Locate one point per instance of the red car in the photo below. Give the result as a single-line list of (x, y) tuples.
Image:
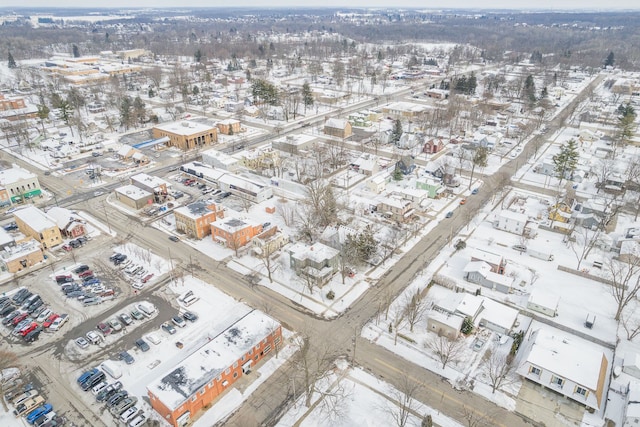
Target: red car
[(19, 318), (28, 329), (67, 248), (50, 320), (86, 273), (104, 328), (147, 278)]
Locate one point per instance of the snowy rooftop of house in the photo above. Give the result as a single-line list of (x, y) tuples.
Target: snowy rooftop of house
[(62, 216), (317, 252), (5, 238), (298, 139), (149, 180), (498, 314), (124, 150), (485, 270), (132, 192), (413, 192), (516, 216), (210, 360), (469, 304), (237, 181), (452, 320), (336, 123), (228, 121), (566, 357), (379, 179), (20, 250), (544, 299), (184, 127), (395, 202), (491, 258), (35, 218), (221, 157), (13, 174), (366, 161), (195, 210)]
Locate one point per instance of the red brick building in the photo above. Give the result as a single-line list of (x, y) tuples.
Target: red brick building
[(204, 375)]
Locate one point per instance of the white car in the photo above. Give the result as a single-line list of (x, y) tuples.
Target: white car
[(128, 414), (82, 342), (93, 337), (43, 316), (59, 322), (98, 388), (138, 421)]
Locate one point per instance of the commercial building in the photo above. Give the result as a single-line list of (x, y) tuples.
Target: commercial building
[(234, 232), (19, 183), (195, 219), (133, 197), (32, 222), (21, 256), (153, 184), (186, 135), (211, 370)]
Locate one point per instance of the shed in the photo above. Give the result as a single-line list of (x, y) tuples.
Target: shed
[(543, 302)]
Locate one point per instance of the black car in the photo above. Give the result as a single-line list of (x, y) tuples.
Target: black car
[(117, 398), (21, 296), (36, 305), (128, 359), (81, 269), (7, 310), (93, 380), (191, 317), (9, 317), (142, 345), (82, 240), (33, 335), (63, 279)]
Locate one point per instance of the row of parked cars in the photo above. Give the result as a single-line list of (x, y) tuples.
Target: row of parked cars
[(113, 325), (120, 404), (27, 315), (134, 272), (28, 403), (86, 287), (75, 243)]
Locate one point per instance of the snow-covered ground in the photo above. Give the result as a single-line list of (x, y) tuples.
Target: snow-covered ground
[(164, 354), (358, 398)]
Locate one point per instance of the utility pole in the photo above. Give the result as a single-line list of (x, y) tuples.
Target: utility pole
[(105, 215)]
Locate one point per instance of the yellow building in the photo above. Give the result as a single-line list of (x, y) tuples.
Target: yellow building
[(186, 135), (560, 213), (33, 222)]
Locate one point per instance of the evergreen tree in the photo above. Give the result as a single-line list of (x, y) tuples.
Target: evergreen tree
[(126, 113), (566, 161), (43, 114), (139, 110), (76, 51), (610, 60), (198, 55), (529, 91), (11, 61), (396, 133), (467, 326), (307, 96)]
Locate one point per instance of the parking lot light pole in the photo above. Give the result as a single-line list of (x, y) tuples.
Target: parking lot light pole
[(106, 216)]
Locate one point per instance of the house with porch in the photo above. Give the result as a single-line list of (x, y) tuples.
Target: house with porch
[(317, 262)]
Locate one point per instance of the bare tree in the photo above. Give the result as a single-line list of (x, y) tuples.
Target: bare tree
[(267, 261), (631, 326), (415, 306), (446, 350), (584, 240), (624, 281), (499, 369), (473, 418), (313, 363), (403, 400)]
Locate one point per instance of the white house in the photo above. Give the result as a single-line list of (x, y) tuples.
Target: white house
[(566, 365), (480, 272), (513, 222), (543, 302), (377, 184)]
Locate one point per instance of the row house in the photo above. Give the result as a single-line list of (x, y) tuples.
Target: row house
[(195, 219), (234, 233), (396, 209)]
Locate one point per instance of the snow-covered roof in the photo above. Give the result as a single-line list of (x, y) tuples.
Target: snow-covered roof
[(124, 150), (516, 216), (211, 360), (299, 139), (205, 171), (5, 238), (488, 257), (451, 320), (544, 299), (469, 304), (149, 180), (185, 128), (62, 216), (20, 250), (35, 218), (231, 224), (195, 210), (222, 158), (239, 182), (316, 252), (566, 357), (485, 270), (132, 192), (498, 314), (13, 174), (336, 123)]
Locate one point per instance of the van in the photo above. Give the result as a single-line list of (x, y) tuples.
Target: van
[(21, 398), (111, 368), (93, 381), (28, 405), (187, 301), (147, 309)]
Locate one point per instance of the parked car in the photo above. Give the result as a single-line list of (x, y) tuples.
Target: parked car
[(85, 273), (7, 310), (168, 327), (8, 319), (129, 414), (67, 248), (82, 342), (44, 315), (33, 335), (178, 321), (142, 345), (81, 269), (93, 381), (115, 325), (63, 279), (449, 214), (59, 322), (104, 329), (19, 318), (174, 238), (147, 278), (109, 391), (28, 329), (126, 357), (138, 421), (38, 412), (137, 315), (86, 375), (47, 323), (117, 398), (125, 319), (124, 405), (93, 337)]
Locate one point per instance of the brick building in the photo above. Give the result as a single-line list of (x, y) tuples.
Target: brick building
[(211, 370), (186, 135), (229, 126), (234, 233), (34, 223), (195, 219)]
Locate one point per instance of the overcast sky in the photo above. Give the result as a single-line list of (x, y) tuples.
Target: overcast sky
[(487, 4)]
